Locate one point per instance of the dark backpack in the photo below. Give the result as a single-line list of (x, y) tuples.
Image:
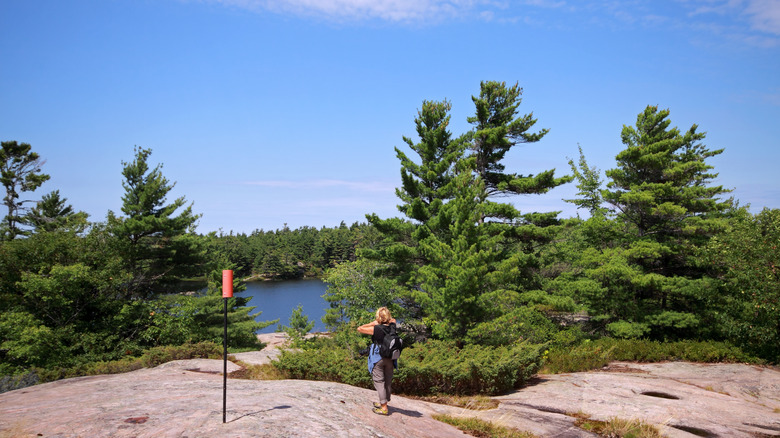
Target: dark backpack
[(392, 344)]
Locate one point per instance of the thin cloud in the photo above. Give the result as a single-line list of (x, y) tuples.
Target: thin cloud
[(749, 22), (388, 10), (764, 15), (357, 186), (395, 11), (761, 15)]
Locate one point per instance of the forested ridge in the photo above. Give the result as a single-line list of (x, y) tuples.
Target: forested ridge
[(664, 256)]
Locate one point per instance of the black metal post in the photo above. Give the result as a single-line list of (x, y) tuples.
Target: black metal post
[(224, 367)]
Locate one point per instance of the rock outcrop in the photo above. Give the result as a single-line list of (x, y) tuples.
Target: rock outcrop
[(184, 399)]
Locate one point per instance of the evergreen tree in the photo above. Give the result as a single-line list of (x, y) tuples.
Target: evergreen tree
[(589, 184), (660, 184), (158, 245), (452, 283), (497, 129), (52, 213), (426, 186), (20, 171), (661, 195), (456, 265)]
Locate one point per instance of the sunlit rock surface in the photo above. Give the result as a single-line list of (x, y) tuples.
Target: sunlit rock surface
[(184, 399)]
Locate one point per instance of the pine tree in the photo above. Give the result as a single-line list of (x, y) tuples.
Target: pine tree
[(660, 193), (159, 246), (52, 213), (497, 128), (426, 186), (451, 284), (20, 171), (589, 184), (455, 264)]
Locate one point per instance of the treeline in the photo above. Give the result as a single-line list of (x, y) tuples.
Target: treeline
[(289, 254)]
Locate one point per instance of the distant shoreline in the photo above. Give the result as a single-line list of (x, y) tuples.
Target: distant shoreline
[(269, 278)]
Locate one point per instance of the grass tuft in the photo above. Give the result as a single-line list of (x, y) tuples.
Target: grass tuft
[(474, 403), (616, 427), (481, 428), (256, 372)]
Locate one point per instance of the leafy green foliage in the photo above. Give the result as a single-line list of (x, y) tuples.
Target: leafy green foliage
[(355, 292), (747, 259), (69, 299), (26, 341)]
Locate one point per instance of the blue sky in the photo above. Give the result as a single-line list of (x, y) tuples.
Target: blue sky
[(287, 111)]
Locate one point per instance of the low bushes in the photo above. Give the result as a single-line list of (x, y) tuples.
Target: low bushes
[(426, 368), (150, 358), (589, 355), (441, 367)]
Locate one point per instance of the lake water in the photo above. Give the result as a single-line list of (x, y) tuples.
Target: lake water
[(277, 299)]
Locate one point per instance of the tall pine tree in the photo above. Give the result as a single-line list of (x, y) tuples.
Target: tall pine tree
[(156, 240)]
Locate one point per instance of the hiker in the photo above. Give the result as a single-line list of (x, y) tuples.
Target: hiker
[(380, 368)]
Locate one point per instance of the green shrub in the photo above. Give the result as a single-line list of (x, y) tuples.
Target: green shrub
[(429, 368), (568, 337), (583, 357), (441, 367), (628, 330), (201, 350), (642, 350), (150, 358), (329, 363), (590, 355), (521, 324)]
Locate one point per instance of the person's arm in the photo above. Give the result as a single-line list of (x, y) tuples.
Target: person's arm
[(367, 329)]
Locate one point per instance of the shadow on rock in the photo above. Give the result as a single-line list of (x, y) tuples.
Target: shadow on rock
[(406, 412), (249, 414)]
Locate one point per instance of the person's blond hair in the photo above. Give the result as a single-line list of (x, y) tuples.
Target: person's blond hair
[(383, 315)]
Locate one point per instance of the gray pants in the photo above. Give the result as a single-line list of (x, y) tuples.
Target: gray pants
[(383, 379)]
